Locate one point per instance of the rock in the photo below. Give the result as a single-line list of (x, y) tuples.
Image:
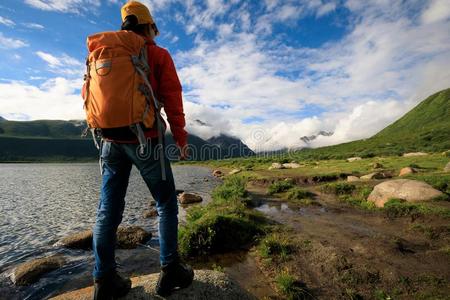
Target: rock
[(217, 173), (128, 237), (207, 285), (276, 166), (353, 178), (371, 176), (151, 213), (291, 165), (351, 159), (409, 190), (447, 168), (188, 198), (30, 271), (377, 165), (152, 202), (412, 154), (406, 171), (234, 171), (80, 240), (205, 179)]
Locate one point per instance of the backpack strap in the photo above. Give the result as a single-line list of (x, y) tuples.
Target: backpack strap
[(141, 64)]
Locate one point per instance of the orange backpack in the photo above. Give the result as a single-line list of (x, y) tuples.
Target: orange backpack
[(117, 91)]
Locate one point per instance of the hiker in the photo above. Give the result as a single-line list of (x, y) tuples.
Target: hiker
[(121, 146)]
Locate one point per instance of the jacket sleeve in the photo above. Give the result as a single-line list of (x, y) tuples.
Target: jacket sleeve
[(169, 91)]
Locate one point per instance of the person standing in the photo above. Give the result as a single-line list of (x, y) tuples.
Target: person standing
[(120, 151)]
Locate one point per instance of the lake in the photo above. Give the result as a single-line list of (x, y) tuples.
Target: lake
[(40, 203)]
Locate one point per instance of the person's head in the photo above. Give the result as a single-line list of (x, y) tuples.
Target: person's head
[(137, 18)]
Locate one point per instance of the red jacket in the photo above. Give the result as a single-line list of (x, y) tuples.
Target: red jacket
[(167, 88)]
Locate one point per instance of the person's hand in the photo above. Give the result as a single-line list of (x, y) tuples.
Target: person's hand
[(184, 152)]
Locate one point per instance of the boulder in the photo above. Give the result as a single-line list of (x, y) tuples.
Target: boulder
[(276, 166), (376, 175), (351, 159), (371, 176), (207, 285), (406, 171), (353, 178), (217, 173), (412, 154), (128, 237), (188, 198), (31, 271), (408, 190), (79, 240), (291, 165), (447, 168), (234, 171), (151, 213)]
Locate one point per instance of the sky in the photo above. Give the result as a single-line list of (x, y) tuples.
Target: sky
[(268, 72)]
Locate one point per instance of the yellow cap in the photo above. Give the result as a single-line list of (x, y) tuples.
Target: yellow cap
[(139, 10)]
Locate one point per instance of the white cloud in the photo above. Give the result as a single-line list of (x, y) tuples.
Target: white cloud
[(248, 83), (7, 22), (63, 64), (387, 63), (57, 98), (438, 10), (65, 6), (11, 43), (33, 26)]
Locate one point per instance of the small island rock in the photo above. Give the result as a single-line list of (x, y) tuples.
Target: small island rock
[(188, 198), (30, 271)]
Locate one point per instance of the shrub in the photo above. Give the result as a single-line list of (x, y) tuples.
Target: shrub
[(292, 288), (339, 188), (279, 187), (298, 194), (275, 245)]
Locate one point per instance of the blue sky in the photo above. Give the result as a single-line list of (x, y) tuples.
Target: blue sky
[(274, 69)]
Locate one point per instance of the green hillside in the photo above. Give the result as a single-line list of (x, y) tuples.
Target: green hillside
[(425, 128), (42, 128)]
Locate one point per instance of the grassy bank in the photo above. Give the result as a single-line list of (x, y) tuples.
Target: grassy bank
[(225, 224)]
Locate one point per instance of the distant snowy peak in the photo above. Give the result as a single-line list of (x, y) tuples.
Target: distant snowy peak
[(308, 139)]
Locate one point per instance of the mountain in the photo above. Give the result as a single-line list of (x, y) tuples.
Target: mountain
[(425, 128), (308, 139), (231, 146), (49, 140)]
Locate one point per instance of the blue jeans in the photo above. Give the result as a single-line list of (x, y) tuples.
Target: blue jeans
[(116, 162)]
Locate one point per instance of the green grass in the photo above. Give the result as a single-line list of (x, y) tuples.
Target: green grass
[(400, 208), (338, 188), (223, 225), (291, 287), (275, 245), (279, 187)]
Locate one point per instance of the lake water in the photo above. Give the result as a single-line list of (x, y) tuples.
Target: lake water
[(40, 203)]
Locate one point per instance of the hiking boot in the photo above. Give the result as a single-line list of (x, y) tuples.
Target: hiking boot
[(172, 276), (111, 287)]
